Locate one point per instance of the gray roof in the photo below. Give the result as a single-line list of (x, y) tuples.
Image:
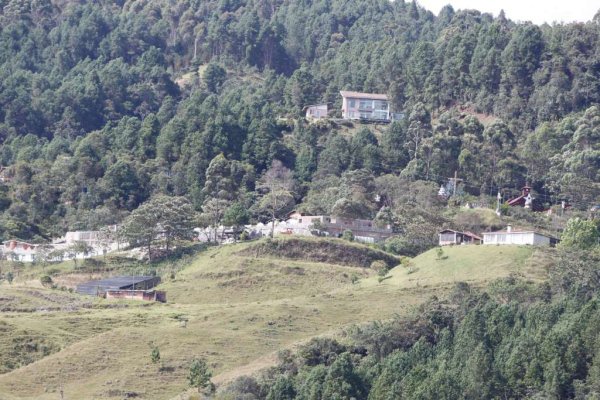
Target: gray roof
[(117, 282)]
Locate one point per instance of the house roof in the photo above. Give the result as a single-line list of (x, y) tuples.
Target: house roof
[(471, 234), (315, 105), (466, 233), (18, 241), (359, 95), (504, 232), (116, 282)]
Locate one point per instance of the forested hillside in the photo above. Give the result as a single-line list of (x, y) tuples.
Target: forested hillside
[(104, 104), (515, 340)]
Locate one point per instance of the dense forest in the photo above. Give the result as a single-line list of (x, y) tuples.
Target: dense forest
[(106, 104), (517, 339)]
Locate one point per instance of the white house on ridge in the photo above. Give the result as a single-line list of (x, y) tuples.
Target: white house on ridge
[(510, 236)]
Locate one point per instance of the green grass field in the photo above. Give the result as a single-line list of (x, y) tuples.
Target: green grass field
[(240, 310)]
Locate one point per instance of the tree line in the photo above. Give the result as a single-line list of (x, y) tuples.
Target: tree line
[(104, 105)]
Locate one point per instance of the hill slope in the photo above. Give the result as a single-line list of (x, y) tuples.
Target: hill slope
[(239, 310)]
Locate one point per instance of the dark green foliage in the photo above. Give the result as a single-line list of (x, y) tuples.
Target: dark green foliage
[(93, 123), (214, 76), (155, 355), (46, 281), (199, 375), (162, 219)]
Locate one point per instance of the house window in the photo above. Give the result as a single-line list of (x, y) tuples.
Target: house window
[(381, 105), (380, 114), (300, 220), (447, 237), (366, 105), (351, 103), (365, 115)]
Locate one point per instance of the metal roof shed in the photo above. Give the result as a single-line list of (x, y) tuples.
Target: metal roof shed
[(94, 288)]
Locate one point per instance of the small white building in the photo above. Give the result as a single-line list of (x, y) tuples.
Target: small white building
[(17, 250), (510, 236), (316, 111), (450, 237)]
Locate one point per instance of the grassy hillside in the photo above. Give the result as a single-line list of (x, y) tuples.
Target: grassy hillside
[(240, 309), (472, 264)]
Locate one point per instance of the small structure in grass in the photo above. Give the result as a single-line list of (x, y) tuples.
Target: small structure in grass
[(449, 237), (124, 287), (511, 236)]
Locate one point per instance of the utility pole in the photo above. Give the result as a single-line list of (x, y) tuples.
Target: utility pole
[(454, 182), (499, 198)]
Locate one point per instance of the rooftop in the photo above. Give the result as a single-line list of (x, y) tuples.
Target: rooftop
[(512, 231), (359, 95), (466, 233), (18, 241), (117, 282)]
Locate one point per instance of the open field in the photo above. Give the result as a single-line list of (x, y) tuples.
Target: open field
[(240, 309)]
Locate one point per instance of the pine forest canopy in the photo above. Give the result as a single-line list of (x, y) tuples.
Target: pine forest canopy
[(101, 107)]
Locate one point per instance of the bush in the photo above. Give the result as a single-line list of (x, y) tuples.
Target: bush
[(320, 351), (244, 236), (380, 267), (348, 235), (199, 375), (46, 281), (580, 234), (155, 355)]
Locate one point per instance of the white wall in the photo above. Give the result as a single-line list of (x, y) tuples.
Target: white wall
[(519, 238)]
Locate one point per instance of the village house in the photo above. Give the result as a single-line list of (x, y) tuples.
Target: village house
[(296, 223), (17, 250), (449, 237), (366, 106), (97, 240), (511, 236), (526, 200), (316, 111)]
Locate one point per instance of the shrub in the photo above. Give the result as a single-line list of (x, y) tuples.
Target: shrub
[(348, 235), (46, 281), (244, 236), (380, 267), (580, 234), (155, 355), (199, 375)]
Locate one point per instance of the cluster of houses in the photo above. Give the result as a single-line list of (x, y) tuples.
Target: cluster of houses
[(296, 223), (509, 236), (60, 249), (357, 106), (301, 224)]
